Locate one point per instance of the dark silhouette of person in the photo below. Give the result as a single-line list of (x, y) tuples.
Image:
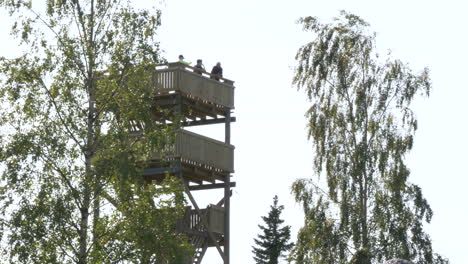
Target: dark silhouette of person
[(199, 67), (217, 72)]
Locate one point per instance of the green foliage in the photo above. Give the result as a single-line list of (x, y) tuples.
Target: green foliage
[(273, 243), (361, 126), (71, 189)]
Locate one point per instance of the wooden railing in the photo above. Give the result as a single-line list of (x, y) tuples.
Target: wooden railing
[(201, 151), (180, 77), (192, 221), (205, 151)]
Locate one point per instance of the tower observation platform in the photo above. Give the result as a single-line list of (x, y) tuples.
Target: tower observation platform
[(185, 97)]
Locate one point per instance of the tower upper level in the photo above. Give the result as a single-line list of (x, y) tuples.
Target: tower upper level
[(196, 95), (184, 95)]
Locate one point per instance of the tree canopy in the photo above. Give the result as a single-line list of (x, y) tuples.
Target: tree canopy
[(360, 206), (71, 188)]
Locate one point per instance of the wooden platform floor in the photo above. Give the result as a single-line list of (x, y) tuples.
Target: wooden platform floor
[(191, 172)]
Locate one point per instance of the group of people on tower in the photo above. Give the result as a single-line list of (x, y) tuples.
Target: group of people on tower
[(216, 72)]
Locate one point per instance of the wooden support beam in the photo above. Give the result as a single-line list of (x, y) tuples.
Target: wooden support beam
[(190, 104), (204, 220), (154, 171), (227, 215), (221, 202), (210, 186), (227, 194), (165, 101), (202, 253), (207, 122)]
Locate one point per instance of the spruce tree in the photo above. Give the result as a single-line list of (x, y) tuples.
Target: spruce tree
[(274, 240)]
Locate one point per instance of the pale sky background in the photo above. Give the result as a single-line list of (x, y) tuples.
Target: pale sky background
[(256, 42)]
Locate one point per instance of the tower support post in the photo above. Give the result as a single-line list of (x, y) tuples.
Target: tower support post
[(227, 195)]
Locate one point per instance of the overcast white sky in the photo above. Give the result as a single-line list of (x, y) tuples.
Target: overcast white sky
[(256, 42)]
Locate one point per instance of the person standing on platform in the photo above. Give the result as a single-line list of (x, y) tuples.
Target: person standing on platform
[(217, 71), (181, 60), (200, 68)]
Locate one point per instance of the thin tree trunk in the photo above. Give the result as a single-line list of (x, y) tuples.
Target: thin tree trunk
[(82, 254), (96, 214), (89, 151)]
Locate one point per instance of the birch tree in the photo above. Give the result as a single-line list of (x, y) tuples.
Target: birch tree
[(72, 189), (361, 125)]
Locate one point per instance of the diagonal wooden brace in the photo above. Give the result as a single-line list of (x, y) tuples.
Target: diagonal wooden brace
[(221, 202), (203, 219)]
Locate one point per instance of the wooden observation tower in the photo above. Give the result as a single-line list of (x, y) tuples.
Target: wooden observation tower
[(202, 163)]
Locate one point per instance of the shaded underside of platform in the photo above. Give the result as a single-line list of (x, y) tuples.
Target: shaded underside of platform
[(192, 109), (157, 171)]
